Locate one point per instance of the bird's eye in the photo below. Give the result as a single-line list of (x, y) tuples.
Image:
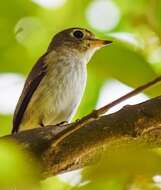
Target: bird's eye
[(78, 34)]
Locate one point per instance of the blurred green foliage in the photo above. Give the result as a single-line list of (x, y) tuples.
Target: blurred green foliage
[(26, 29), (17, 168), (127, 167)]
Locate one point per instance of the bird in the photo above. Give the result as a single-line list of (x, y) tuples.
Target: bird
[(54, 87)]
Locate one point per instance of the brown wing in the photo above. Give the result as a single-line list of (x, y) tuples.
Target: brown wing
[(36, 75)]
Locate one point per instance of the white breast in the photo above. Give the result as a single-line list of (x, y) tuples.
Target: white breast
[(66, 83)]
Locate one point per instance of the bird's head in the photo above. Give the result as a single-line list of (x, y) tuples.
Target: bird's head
[(78, 39)]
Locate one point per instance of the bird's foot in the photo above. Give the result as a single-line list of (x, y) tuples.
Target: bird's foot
[(42, 125), (62, 123)]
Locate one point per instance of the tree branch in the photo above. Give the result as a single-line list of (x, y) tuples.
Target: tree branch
[(140, 123)]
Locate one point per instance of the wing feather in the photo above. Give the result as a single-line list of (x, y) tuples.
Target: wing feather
[(35, 77)]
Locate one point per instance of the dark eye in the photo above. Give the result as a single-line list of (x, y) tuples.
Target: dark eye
[(78, 34)]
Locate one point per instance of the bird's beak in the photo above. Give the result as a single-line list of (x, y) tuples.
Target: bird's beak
[(98, 43)]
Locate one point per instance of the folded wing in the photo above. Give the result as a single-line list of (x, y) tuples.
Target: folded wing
[(35, 77)]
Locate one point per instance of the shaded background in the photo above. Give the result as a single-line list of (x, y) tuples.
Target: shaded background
[(26, 28)]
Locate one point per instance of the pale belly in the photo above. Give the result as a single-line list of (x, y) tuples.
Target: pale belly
[(57, 97)]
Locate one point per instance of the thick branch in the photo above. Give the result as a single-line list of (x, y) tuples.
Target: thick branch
[(140, 123)]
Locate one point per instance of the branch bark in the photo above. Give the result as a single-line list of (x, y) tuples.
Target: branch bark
[(139, 123)]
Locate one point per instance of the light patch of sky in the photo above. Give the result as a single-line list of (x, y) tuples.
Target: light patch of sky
[(114, 89), (157, 180), (50, 3), (11, 85), (103, 15), (73, 178)]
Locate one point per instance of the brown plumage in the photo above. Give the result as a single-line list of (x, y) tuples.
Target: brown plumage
[(56, 83)]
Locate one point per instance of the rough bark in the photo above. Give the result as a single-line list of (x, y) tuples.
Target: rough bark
[(139, 123)]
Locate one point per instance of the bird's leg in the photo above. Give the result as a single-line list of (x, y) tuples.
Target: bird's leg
[(41, 124)]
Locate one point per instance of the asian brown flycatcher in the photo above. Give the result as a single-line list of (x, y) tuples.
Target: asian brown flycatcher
[(55, 85)]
